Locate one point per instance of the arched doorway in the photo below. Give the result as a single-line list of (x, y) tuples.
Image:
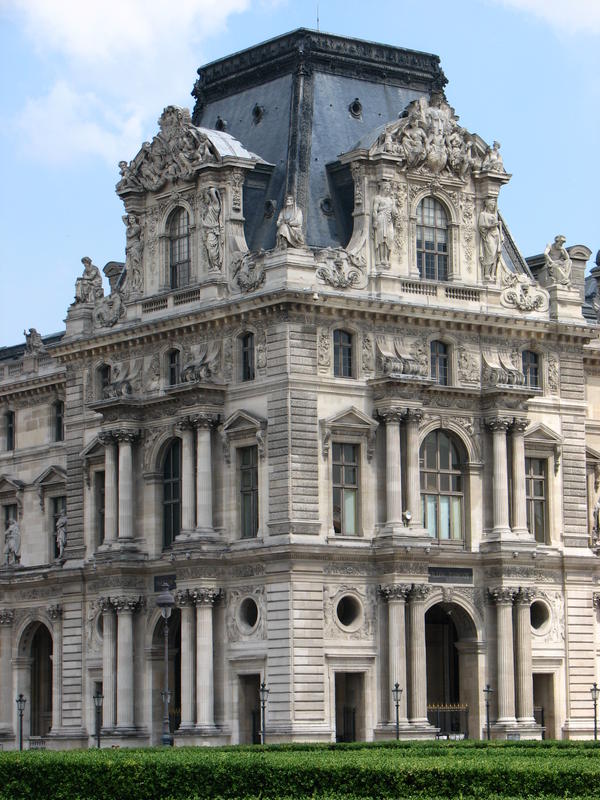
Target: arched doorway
[(452, 656), (35, 679), (158, 674)]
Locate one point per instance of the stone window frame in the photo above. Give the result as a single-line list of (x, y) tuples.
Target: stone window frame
[(167, 366), (58, 420), (9, 430), (165, 246), (463, 493), (353, 352), (240, 355), (454, 271), (540, 367), (93, 459), (544, 443), (11, 494), (52, 483), (99, 380), (162, 462)]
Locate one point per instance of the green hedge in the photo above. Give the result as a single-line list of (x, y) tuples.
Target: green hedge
[(412, 771)]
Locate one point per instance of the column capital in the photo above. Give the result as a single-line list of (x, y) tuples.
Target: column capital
[(7, 616), (498, 423), (202, 420), (391, 415), (413, 416), (394, 591), (105, 604), (55, 611), (519, 425), (126, 435), (524, 595), (418, 592), (207, 597), (107, 437), (128, 605), (183, 597), (502, 595), (184, 424), (595, 600)]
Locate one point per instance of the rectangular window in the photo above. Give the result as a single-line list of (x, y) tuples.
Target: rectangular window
[(10, 513), (59, 421), (247, 342), (9, 425), (99, 483), (345, 488), (248, 461), (535, 492)]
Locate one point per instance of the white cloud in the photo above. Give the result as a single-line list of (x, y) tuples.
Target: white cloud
[(114, 64), (574, 16)]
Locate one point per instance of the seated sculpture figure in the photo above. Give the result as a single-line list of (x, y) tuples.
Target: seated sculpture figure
[(289, 225), (88, 288), (558, 262)]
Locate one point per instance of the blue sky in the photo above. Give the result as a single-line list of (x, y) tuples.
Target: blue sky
[(83, 83)]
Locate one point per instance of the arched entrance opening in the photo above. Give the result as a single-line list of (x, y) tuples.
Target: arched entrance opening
[(158, 674), (452, 656), (35, 679)]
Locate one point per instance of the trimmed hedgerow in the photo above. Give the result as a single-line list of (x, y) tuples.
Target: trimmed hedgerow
[(412, 771)]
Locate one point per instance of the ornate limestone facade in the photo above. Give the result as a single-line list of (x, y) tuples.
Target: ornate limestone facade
[(329, 403)]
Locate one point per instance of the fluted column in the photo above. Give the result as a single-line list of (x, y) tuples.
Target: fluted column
[(109, 657), (518, 474), (503, 597), (55, 614), (188, 522), (205, 713), (413, 479), (395, 595), (110, 486), (126, 608), (417, 674), (7, 617), (393, 468), (186, 603), (499, 426), (204, 468), (524, 672), (126, 510)]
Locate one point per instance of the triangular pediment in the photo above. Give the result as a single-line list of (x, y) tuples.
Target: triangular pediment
[(542, 434), (50, 476), (10, 485), (592, 456), (241, 421), (94, 448), (350, 419)]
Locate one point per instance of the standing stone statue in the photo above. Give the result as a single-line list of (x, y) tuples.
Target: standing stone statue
[(88, 288), (12, 543), (558, 262), (211, 228), (383, 217), (289, 225), (61, 534), (133, 249), (490, 232)]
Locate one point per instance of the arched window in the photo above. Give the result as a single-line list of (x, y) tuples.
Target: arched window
[(531, 369), (172, 493), (439, 362), (441, 487), (173, 367), (342, 354), (432, 240), (247, 356), (179, 248)]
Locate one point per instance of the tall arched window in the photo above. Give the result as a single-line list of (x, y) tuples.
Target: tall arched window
[(342, 354), (531, 368), (179, 248), (439, 362), (172, 493), (432, 240), (441, 487)]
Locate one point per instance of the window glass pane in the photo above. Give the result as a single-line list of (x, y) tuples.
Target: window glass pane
[(444, 517), (456, 518), (350, 453), (431, 480), (337, 474), (337, 452), (444, 483), (349, 512), (444, 449), (431, 506), (350, 476), (431, 452), (539, 521), (337, 510)]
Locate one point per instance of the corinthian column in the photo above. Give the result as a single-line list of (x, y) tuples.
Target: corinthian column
[(393, 468), (109, 655), (126, 440), (187, 475), (205, 701), (110, 486), (524, 675), (126, 608), (518, 473), (503, 597), (499, 426), (417, 674), (204, 510), (413, 485), (7, 616), (186, 603), (55, 614), (395, 596)]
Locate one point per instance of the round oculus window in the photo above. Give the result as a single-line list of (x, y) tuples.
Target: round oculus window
[(349, 612)]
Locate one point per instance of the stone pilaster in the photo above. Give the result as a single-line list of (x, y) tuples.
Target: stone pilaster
[(110, 486), (109, 661), (524, 677), (417, 674), (125, 608), (7, 617), (396, 595), (205, 701), (499, 426), (413, 477), (55, 613), (188, 634), (519, 508), (393, 468), (503, 598)]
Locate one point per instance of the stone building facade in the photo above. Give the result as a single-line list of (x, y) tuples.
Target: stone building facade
[(333, 407)]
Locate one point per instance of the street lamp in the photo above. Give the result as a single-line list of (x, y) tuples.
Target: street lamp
[(165, 601), (487, 692), (397, 694), (264, 694), (21, 708), (98, 698), (595, 691)]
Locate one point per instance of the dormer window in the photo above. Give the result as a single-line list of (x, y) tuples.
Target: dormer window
[(247, 356), (432, 240), (531, 369), (179, 248)]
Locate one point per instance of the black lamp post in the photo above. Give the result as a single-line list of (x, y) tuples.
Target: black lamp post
[(264, 694), (397, 694), (165, 601), (595, 692), (98, 698), (487, 692), (21, 708)]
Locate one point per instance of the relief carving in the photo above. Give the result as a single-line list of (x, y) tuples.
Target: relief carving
[(365, 625), (339, 269), (247, 273), (237, 630)]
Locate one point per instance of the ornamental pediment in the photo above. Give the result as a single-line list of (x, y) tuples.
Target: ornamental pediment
[(542, 434), (353, 423), (241, 422)]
